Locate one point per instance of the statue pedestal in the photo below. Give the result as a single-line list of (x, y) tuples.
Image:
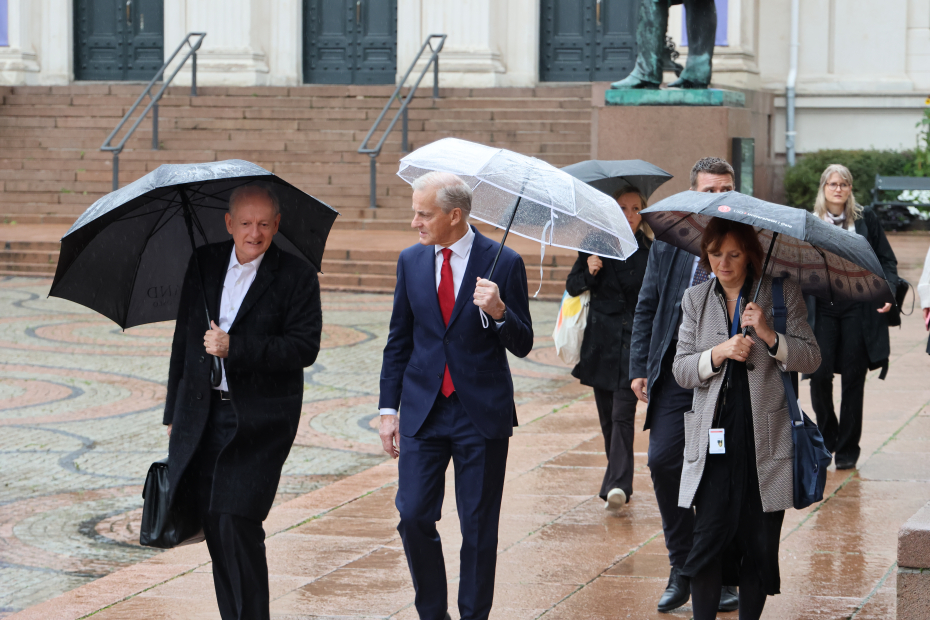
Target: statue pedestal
[(676, 96), (674, 136)]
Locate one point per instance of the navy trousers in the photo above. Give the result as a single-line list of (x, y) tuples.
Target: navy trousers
[(666, 458), (479, 466)]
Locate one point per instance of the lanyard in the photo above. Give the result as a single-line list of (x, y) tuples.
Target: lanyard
[(734, 327)]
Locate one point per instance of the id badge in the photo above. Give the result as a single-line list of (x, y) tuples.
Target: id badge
[(717, 445)]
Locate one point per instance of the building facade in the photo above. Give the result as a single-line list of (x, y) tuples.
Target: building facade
[(864, 71)]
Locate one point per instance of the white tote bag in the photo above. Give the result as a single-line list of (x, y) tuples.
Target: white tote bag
[(569, 328)]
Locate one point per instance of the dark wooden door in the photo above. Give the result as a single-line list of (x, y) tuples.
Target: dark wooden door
[(118, 39), (350, 41), (587, 40)]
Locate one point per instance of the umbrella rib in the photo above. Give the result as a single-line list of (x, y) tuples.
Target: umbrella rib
[(135, 274)]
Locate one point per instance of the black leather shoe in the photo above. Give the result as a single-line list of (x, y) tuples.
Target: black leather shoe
[(845, 465), (729, 599), (676, 593)]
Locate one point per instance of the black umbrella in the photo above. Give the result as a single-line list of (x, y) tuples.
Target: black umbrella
[(125, 257), (610, 175), (827, 261)]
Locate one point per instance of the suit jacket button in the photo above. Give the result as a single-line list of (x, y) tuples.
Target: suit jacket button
[(201, 358), (446, 341), (199, 396), (439, 376)]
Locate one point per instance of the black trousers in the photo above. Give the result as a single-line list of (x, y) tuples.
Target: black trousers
[(842, 347), (236, 544), (669, 402), (617, 412), (480, 465)]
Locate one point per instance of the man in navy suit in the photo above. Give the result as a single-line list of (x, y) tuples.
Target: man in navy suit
[(445, 368)]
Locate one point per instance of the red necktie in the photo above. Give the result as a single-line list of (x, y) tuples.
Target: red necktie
[(446, 303)]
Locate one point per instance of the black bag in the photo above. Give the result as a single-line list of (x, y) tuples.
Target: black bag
[(894, 315), (811, 457), (162, 527)]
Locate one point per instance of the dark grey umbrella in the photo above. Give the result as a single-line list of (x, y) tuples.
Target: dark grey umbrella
[(827, 261), (610, 175)]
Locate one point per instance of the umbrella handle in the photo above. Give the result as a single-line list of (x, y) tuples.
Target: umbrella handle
[(504, 239), (216, 369), (749, 365)]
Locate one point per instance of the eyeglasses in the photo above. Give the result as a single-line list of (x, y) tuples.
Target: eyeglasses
[(836, 186)]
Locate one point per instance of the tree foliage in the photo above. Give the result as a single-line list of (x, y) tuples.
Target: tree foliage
[(803, 180)]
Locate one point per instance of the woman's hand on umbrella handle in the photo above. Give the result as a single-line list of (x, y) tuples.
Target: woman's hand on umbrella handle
[(736, 348), (754, 317), (885, 308), (594, 264)]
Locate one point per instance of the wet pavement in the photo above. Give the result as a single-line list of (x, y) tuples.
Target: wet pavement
[(333, 550)]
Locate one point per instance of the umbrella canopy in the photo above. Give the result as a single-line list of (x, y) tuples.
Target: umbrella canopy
[(125, 257), (552, 206), (609, 176), (827, 261)]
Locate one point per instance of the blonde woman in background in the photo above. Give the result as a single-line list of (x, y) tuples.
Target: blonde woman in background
[(853, 336), (605, 349)]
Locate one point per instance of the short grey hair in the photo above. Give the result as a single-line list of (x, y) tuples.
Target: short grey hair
[(262, 189), (451, 191)]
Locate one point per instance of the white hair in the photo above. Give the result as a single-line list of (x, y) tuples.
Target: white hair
[(451, 191), (260, 189)]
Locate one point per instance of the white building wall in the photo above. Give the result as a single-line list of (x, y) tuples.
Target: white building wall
[(864, 69)]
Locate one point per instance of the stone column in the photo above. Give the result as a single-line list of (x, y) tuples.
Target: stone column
[(248, 43), (18, 61), (491, 42)]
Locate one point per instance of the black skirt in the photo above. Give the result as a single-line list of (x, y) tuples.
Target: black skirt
[(729, 520)]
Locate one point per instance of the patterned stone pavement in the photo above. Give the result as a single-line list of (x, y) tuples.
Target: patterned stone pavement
[(80, 411)]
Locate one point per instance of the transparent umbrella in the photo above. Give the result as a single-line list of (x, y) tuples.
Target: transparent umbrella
[(528, 197)]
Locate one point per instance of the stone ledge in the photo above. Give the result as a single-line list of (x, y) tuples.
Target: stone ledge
[(914, 541), (715, 97)]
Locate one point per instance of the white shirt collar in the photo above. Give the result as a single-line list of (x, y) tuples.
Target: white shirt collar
[(234, 261), (462, 247)]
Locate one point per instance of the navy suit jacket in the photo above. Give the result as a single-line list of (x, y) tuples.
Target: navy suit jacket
[(420, 345), (655, 323)]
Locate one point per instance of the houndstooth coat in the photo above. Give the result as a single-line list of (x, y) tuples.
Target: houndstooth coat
[(704, 325)]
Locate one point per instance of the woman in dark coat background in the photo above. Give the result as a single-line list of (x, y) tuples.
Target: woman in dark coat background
[(853, 336), (605, 349)]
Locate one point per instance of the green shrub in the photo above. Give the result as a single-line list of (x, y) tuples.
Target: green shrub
[(803, 180)]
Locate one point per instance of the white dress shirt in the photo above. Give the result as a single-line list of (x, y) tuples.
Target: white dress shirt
[(238, 280), (461, 250)]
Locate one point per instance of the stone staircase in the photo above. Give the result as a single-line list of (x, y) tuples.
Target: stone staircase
[(51, 168)]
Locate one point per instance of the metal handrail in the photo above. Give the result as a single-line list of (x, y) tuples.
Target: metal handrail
[(402, 112), (153, 101)]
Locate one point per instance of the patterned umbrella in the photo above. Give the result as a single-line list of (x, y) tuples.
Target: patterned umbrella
[(827, 261)]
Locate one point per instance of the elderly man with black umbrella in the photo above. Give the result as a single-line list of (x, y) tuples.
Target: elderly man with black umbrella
[(248, 322), (228, 443)]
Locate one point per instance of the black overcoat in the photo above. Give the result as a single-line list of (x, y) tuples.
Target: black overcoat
[(605, 349), (874, 325), (276, 334)]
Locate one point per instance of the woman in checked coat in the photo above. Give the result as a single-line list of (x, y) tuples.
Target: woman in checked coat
[(739, 495)]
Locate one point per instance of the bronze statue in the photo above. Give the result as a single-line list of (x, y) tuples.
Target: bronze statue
[(654, 53)]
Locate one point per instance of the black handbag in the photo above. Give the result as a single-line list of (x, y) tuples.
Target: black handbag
[(166, 526), (894, 315), (811, 457)]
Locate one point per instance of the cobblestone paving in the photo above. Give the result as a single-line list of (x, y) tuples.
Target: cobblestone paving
[(80, 422)]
